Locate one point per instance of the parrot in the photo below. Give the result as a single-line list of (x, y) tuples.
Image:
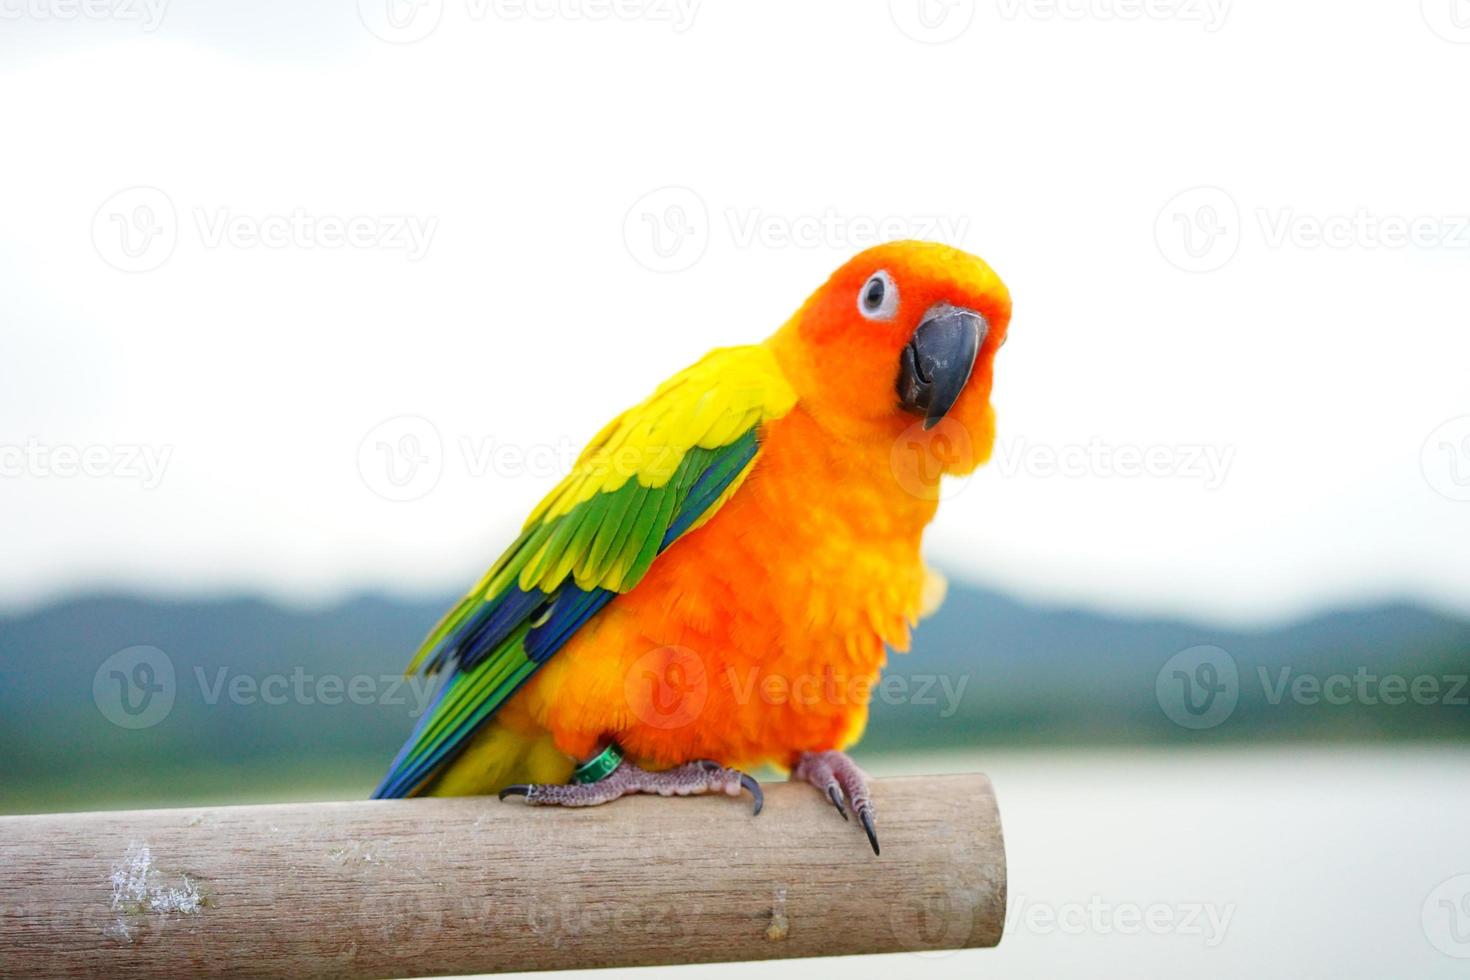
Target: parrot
[(716, 583)]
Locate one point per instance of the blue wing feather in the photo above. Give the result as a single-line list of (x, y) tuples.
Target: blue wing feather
[(542, 624)]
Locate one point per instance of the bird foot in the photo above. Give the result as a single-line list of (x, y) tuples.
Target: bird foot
[(844, 783), (691, 779)]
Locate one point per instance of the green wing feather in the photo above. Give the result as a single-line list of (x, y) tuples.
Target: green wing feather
[(649, 477)]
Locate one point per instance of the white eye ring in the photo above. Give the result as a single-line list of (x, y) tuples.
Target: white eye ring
[(878, 299)]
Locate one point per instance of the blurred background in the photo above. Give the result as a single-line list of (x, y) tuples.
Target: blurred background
[(306, 307)]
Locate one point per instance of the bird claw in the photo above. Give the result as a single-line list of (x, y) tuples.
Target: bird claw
[(755, 791), (835, 795), (844, 783), (748, 783), (866, 816)]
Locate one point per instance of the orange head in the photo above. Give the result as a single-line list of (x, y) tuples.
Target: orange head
[(904, 334)]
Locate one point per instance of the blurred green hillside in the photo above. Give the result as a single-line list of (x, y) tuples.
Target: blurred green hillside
[(272, 703)]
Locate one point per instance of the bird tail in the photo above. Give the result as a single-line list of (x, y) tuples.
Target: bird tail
[(497, 757)]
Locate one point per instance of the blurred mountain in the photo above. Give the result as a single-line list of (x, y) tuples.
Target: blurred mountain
[(304, 695)]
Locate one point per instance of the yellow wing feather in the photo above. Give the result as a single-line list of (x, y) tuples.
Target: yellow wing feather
[(705, 405)]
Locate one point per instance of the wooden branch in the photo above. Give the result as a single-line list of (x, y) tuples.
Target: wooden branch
[(472, 885)]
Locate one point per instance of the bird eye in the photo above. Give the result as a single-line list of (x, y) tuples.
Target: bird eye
[(879, 297)]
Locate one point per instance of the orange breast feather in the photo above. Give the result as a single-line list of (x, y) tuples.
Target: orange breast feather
[(761, 633)]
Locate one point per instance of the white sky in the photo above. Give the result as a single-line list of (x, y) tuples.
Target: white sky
[(522, 149)]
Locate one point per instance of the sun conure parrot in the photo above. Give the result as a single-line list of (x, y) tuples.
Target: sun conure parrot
[(714, 585)]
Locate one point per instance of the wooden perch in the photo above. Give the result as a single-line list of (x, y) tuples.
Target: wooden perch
[(471, 885)]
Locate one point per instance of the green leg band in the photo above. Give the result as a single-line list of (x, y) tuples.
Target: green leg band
[(600, 766)]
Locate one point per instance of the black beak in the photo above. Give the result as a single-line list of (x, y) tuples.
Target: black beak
[(937, 361)]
